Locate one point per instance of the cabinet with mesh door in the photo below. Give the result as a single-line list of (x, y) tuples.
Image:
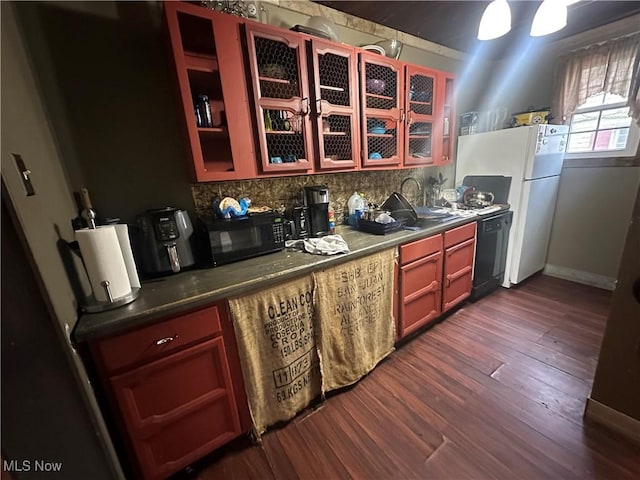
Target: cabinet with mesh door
[(208, 57), (381, 87), (335, 107), (421, 99), (281, 98), (305, 98)]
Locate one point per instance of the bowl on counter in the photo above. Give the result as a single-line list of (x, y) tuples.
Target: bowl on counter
[(375, 85)]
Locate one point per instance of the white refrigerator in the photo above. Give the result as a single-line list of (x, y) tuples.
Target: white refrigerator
[(532, 156)]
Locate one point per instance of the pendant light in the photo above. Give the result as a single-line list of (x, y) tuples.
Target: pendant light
[(496, 20), (550, 17)]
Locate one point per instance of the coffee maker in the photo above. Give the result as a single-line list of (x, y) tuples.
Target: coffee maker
[(164, 244), (316, 199)]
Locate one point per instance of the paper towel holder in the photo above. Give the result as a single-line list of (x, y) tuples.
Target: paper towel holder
[(92, 305)]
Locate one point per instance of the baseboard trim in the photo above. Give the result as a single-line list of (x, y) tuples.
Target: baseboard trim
[(586, 278), (613, 419)]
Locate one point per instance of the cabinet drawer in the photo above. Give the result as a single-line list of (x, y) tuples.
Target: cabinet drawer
[(459, 234), (178, 408), (420, 248), (158, 339)]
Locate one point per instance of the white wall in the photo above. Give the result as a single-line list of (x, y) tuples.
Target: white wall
[(590, 224)]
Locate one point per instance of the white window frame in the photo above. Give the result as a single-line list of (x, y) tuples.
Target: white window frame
[(631, 150)]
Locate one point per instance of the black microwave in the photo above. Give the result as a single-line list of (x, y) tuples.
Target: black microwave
[(229, 240)]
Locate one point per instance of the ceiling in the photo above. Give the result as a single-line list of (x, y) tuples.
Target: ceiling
[(454, 24)]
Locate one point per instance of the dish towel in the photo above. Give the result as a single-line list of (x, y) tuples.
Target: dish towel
[(328, 245)]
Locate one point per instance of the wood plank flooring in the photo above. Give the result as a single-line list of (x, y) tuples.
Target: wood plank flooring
[(496, 390)]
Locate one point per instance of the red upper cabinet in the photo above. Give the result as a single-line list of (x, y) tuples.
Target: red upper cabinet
[(335, 107), (446, 119), (279, 75), (381, 87), (209, 64), (421, 98)]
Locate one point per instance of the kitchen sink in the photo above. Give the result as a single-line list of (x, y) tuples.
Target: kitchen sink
[(423, 223), (429, 218)]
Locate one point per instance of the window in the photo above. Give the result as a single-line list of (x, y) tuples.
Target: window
[(594, 90), (602, 126)]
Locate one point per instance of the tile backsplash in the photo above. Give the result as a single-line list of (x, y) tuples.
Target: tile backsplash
[(274, 192)]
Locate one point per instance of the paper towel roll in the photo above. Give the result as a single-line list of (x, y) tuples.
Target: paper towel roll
[(125, 247), (103, 260)]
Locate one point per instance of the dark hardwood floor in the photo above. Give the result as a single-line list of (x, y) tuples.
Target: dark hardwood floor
[(496, 390)]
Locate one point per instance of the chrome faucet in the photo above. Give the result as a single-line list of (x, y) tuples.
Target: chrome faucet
[(407, 180)]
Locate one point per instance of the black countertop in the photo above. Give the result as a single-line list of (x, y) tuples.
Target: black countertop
[(189, 290)]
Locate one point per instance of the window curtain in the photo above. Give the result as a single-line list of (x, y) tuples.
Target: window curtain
[(611, 67)]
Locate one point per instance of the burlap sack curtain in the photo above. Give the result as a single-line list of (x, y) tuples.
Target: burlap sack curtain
[(607, 67)]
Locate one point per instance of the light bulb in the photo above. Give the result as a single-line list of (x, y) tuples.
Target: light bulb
[(550, 17), (496, 20)]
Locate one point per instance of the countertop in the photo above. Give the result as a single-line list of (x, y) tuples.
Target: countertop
[(193, 289)]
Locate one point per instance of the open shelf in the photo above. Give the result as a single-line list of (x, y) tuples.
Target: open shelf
[(419, 136), (333, 89), (281, 132), (201, 62), (381, 97), (278, 88), (335, 134), (381, 135), (274, 80), (419, 103), (214, 130)]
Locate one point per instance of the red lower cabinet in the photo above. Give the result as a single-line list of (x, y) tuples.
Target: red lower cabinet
[(419, 283), (434, 275), (178, 404), (459, 254), (179, 408)]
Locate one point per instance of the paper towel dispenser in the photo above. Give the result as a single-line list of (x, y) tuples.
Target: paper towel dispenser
[(108, 260)]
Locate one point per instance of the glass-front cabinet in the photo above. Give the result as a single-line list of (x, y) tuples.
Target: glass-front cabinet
[(381, 86), (421, 94), (336, 105), (282, 99)]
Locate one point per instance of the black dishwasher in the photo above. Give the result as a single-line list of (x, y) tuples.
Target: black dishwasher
[(491, 253)]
